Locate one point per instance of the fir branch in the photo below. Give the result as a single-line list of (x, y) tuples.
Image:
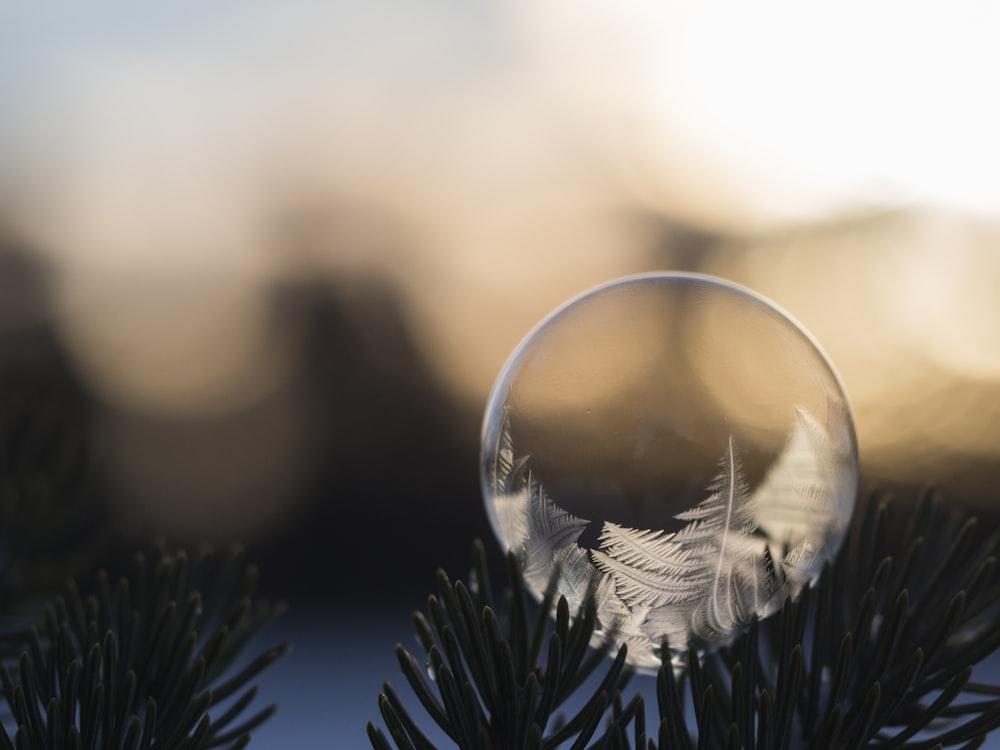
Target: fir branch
[(145, 663), (878, 654), (492, 687)]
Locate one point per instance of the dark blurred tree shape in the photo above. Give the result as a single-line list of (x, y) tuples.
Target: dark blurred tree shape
[(153, 661)]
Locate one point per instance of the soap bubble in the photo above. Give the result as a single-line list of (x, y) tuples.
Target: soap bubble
[(675, 446)]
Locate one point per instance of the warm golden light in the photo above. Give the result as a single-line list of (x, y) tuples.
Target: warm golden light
[(848, 100), (174, 347), (482, 164)]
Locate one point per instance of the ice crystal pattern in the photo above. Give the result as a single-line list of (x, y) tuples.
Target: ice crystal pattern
[(737, 554)]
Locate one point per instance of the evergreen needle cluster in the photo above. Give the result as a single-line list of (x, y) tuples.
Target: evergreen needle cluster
[(150, 661), (879, 653), (145, 663)]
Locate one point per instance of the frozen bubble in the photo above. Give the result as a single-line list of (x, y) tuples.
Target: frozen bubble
[(677, 446)]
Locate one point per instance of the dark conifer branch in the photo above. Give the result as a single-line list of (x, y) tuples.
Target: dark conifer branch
[(145, 663), (879, 653), (491, 691)]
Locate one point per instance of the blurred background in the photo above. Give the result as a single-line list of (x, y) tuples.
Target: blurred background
[(272, 256)]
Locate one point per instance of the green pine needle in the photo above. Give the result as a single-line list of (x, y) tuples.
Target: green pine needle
[(879, 653), (144, 663)]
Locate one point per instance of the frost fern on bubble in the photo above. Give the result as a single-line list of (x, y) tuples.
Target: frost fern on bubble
[(797, 507), (736, 556)]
